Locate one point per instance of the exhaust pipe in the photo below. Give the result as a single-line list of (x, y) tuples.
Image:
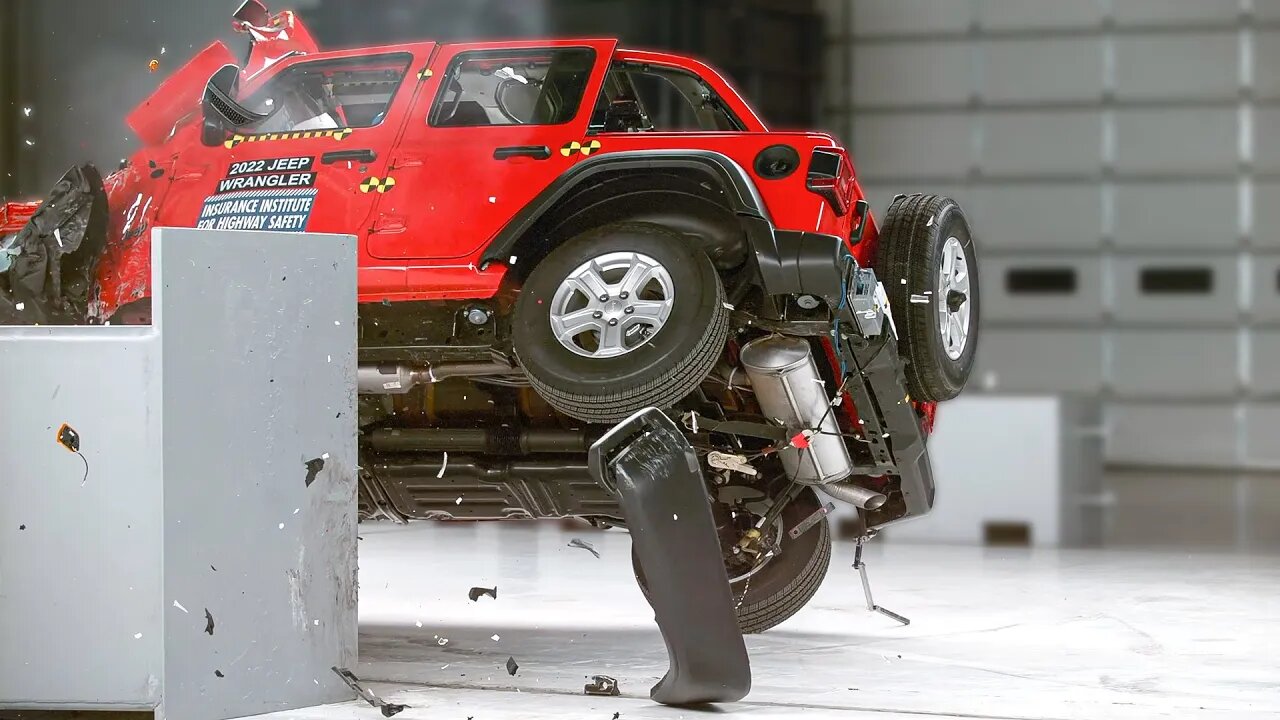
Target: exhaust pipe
[(400, 379), (855, 495), (786, 383)]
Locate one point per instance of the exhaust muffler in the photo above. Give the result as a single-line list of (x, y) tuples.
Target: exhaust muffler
[(786, 383)]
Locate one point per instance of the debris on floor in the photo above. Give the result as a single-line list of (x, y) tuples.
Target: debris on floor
[(512, 666), (208, 621), (579, 543), (602, 685), (353, 682), (476, 592)]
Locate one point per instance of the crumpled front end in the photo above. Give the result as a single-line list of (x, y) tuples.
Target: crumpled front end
[(47, 268)]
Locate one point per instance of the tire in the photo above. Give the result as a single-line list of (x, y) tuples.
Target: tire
[(789, 581), (661, 366), (917, 235)]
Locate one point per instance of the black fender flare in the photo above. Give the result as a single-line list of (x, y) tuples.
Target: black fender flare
[(786, 262)]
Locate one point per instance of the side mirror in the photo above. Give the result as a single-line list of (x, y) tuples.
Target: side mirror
[(219, 108)]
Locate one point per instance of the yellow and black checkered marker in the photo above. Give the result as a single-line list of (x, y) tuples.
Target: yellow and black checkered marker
[(339, 134), (371, 184), (577, 147), (424, 73)]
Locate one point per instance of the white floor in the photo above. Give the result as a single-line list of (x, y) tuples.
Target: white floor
[(994, 633)]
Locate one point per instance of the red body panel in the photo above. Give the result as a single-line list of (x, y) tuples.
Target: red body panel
[(423, 238), (14, 215)]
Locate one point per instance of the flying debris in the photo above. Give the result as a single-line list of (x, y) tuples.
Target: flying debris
[(475, 593)]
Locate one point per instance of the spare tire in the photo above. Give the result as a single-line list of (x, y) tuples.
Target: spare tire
[(927, 262), (620, 318)]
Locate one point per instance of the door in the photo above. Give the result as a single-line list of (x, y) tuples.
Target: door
[(318, 161), (493, 127)]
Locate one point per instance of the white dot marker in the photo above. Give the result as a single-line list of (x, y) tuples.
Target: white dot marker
[(281, 526), (137, 636)]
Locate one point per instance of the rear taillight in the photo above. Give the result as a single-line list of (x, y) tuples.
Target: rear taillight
[(831, 177)]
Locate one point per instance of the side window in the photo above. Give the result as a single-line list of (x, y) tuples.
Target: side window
[(648, 98), (327, 94), (513, 87)]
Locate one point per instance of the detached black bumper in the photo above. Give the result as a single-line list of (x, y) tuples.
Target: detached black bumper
[(650, 465)]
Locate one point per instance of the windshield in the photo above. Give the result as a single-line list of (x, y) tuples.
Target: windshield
[(328, 94)]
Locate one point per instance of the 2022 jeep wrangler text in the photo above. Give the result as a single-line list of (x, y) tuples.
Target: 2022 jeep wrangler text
[(553, 235)]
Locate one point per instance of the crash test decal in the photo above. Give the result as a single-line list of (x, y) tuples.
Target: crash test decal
[(338, 134), (577, 147), (373, 184), (271, 194)]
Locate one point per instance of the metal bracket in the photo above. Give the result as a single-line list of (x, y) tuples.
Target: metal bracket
[(861, 567)]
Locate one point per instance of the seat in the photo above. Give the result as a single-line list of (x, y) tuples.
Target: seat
[(467, 113)]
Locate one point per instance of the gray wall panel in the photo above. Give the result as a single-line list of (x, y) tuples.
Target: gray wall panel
[(1220, 304), (1030, 216), (1266, 214), (1038, 70), (1266, 127), (912, 74), (1182, 141), (1174, 12), (1041, 143), (1199, 433), (1201, 65), (880, 17), (897, 145), (1002, 302), (1264, 363), (1021, 14), (1039, 361), (1260, 435), (1266, 63), (1264, 300), (1162, 215), (1174, 363)]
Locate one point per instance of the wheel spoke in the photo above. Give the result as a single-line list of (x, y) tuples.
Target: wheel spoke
[(570, 325), (638, 275), (651, 311), (955, 333), (611, 340), (590, 282)]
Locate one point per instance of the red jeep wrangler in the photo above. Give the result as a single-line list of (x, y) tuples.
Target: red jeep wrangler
[(554, 234)]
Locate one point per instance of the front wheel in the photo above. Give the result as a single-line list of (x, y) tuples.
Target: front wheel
[(618, 319)]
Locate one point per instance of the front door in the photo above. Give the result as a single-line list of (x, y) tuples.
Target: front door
[(318, 162), (494, 126)]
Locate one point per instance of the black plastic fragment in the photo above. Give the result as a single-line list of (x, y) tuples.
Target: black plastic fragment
[(22, 527), (512, 666), (208, 621), (353, 682), (579, 543), (648, 462), (314, 466), (602, 685), (218, 673), (58, 249), (476, 592)]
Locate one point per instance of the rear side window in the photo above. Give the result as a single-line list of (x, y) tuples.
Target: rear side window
[(639, 97), (513, 87), (328, 94)]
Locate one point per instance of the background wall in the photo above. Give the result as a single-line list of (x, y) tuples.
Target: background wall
[(1116, 158)]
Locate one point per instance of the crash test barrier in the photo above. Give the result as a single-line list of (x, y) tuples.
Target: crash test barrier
[(177, 501)]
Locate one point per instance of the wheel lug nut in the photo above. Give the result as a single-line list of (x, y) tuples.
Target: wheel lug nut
[(597, 314), (629, 310), (613, 321), (625, 295), (604, 298)]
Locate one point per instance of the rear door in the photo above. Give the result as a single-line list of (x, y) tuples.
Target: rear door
[(318, 162), (491, 128)]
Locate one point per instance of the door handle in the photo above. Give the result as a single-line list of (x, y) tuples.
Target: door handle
[(365, 156), (537, 152)]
